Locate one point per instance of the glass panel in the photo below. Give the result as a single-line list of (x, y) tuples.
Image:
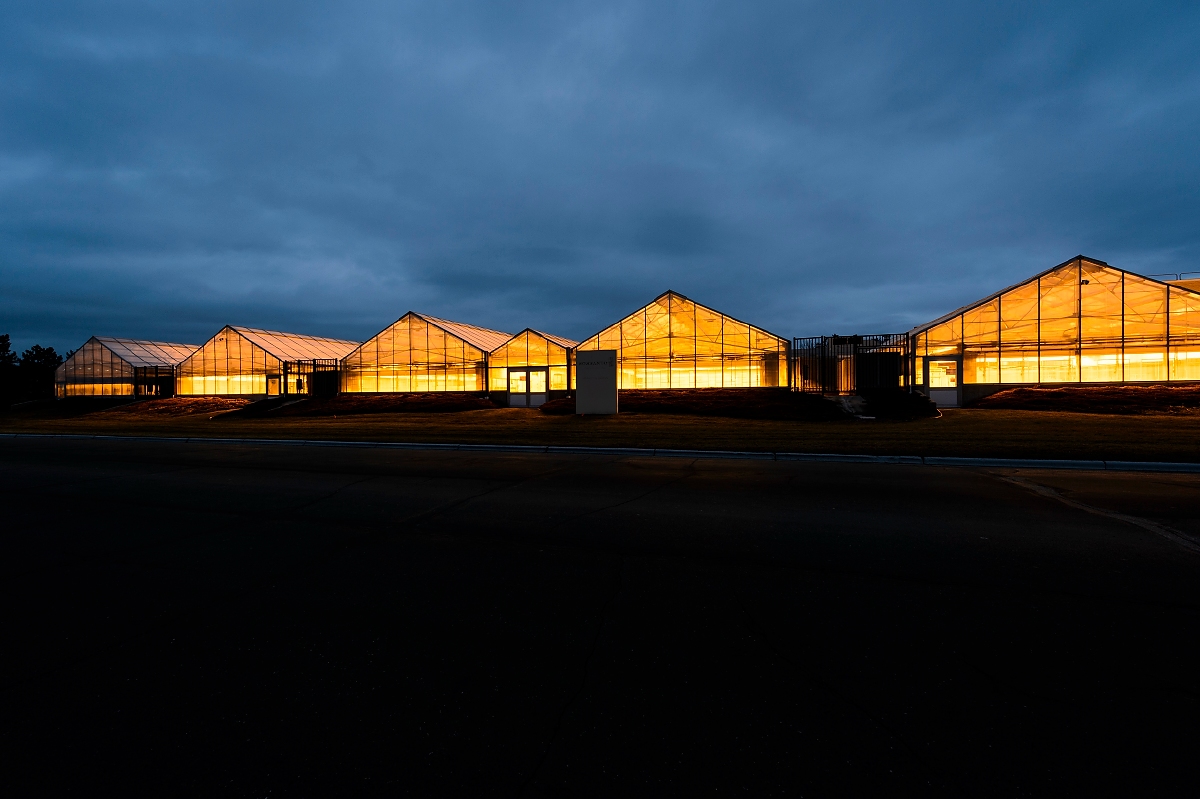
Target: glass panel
[(981, 343), (537, 382), (1145, 312), (946, 338), (1185, 335), (1100, 365), (943, 374), (922, 346), (558, 378), (1145, 364), (1059, 366), (416, 355), (518, 382), (1100, 306), (981, 367), (1145, 330), (1059, 315), (981, 326), (1019, 317)]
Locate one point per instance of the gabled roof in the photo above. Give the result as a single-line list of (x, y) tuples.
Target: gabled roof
[(296, 347), (670, 293), (563, 342), (559, 340), (484, 338), (137, 352), (946, 317)]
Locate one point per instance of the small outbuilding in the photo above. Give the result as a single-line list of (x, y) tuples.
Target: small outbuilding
[(675, 342), (120, 367), (530, 368), (247, 362)]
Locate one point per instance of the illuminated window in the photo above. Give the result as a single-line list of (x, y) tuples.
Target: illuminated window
[(676, 343)]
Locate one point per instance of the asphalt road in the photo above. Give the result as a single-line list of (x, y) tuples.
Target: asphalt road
[(198, 619)]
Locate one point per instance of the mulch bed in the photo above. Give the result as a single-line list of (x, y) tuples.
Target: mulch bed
[(1149, 399), (353, 404), (181, 406), (753, 403)]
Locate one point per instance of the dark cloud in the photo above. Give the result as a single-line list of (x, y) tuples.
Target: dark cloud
[(324, 167)]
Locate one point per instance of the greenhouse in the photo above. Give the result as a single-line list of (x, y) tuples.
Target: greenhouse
[(120, 367), (1081, 322), (530, 368), (676, 343), (420, 353), (244, 361)]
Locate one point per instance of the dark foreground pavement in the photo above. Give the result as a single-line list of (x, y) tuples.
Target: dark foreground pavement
[(194, 619)]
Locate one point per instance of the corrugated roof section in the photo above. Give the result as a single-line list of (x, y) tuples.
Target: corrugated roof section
[(295, 347), (482, 337), (1191, 284), (136, 352), (559, 340)]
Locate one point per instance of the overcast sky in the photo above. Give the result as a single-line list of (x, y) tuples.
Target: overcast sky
[(323, 167)]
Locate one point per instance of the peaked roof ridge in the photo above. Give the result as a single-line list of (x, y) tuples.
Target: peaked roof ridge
[(709, 308), (485, 338), (563, 340), (144, 341), (440, 319), (143, 352), (245, 329), (964, 308), (295, 346)]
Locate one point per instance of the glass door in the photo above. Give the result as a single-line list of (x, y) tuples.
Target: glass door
[(537, 387), (527, 387), (941, 377), (518, 387)]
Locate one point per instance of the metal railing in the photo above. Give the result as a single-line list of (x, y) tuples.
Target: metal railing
[(850, 364)]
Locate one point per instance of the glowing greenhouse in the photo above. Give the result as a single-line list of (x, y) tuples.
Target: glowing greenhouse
[(1082, 321), (676, 343)]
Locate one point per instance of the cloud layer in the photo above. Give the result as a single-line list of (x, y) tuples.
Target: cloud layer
[(324, 167)]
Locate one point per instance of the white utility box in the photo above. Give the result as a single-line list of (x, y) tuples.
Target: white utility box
[(595, 381)]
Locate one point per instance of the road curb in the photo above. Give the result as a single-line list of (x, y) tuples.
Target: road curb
[(705, 454)]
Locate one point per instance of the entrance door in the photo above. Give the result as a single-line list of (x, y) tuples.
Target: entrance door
[(537, 387), (272, 385), (527, 386), (942, 380), (518, 387)]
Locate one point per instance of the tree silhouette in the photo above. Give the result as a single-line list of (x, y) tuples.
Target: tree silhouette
[(8, 371), (36, 369)]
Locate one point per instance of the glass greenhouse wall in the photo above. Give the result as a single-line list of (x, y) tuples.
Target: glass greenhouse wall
[(245, 361), (530, 366), (676, 343), (120, 367), (1080, 322), (420, 353)]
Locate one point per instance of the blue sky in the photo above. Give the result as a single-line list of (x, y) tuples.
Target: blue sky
[(168, 168)]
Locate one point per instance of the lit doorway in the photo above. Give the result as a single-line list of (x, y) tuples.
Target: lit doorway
[(527, 387), (942, 380)]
